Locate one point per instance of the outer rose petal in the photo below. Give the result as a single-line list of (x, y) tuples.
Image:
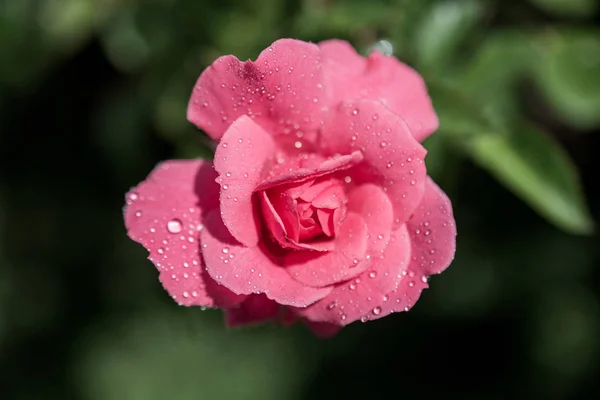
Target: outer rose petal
[(433, 241), (164, 214), (256, 308), (393, 159), (240, 159), (247, 270), (348, 75), (363, 296), (280, 91), (324, 269), (433, 232)]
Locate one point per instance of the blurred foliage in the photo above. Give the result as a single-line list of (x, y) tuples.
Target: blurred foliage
[(93, 93)]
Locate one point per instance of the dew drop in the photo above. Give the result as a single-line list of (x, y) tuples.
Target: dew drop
[(376, 310), (372, 274), (225, 250), (138, 214), (186, 294), (174, 226)]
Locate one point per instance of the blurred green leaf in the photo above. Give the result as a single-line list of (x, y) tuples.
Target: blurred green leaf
[(184, 355), (124, 44), (460, 114), (498, 65), (570, 8), (443, 30), (569, 75), (535, 167)]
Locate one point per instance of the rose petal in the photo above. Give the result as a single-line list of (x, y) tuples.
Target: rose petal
[(431, 252), (240, 159), (247, 270), (375, 207), (281, 91), (363, 297), (331, 198), (323, 330), (393, 159), (326, 221), (348, 75), (433, 232), (273, 221), (401, 299), (255, 308), (283, 224), (164, 214), (324, 269), (297, 175)]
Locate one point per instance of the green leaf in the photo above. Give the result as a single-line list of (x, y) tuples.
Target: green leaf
[(567, 8), (535, 168), (443, 30), (501, 61), (460, 114), (569, 76)]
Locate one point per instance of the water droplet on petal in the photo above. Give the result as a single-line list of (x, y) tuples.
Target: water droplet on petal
[(225, 250), (377, 310), (174, 226)]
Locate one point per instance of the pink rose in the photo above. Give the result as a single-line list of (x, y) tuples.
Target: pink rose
[(317, 207)]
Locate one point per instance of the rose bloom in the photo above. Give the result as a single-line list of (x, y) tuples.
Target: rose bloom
[(317, 206)]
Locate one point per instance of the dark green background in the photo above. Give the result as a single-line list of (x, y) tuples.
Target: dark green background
[(93, 95)]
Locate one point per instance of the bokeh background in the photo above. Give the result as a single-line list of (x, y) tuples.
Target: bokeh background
[(93, 94)]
